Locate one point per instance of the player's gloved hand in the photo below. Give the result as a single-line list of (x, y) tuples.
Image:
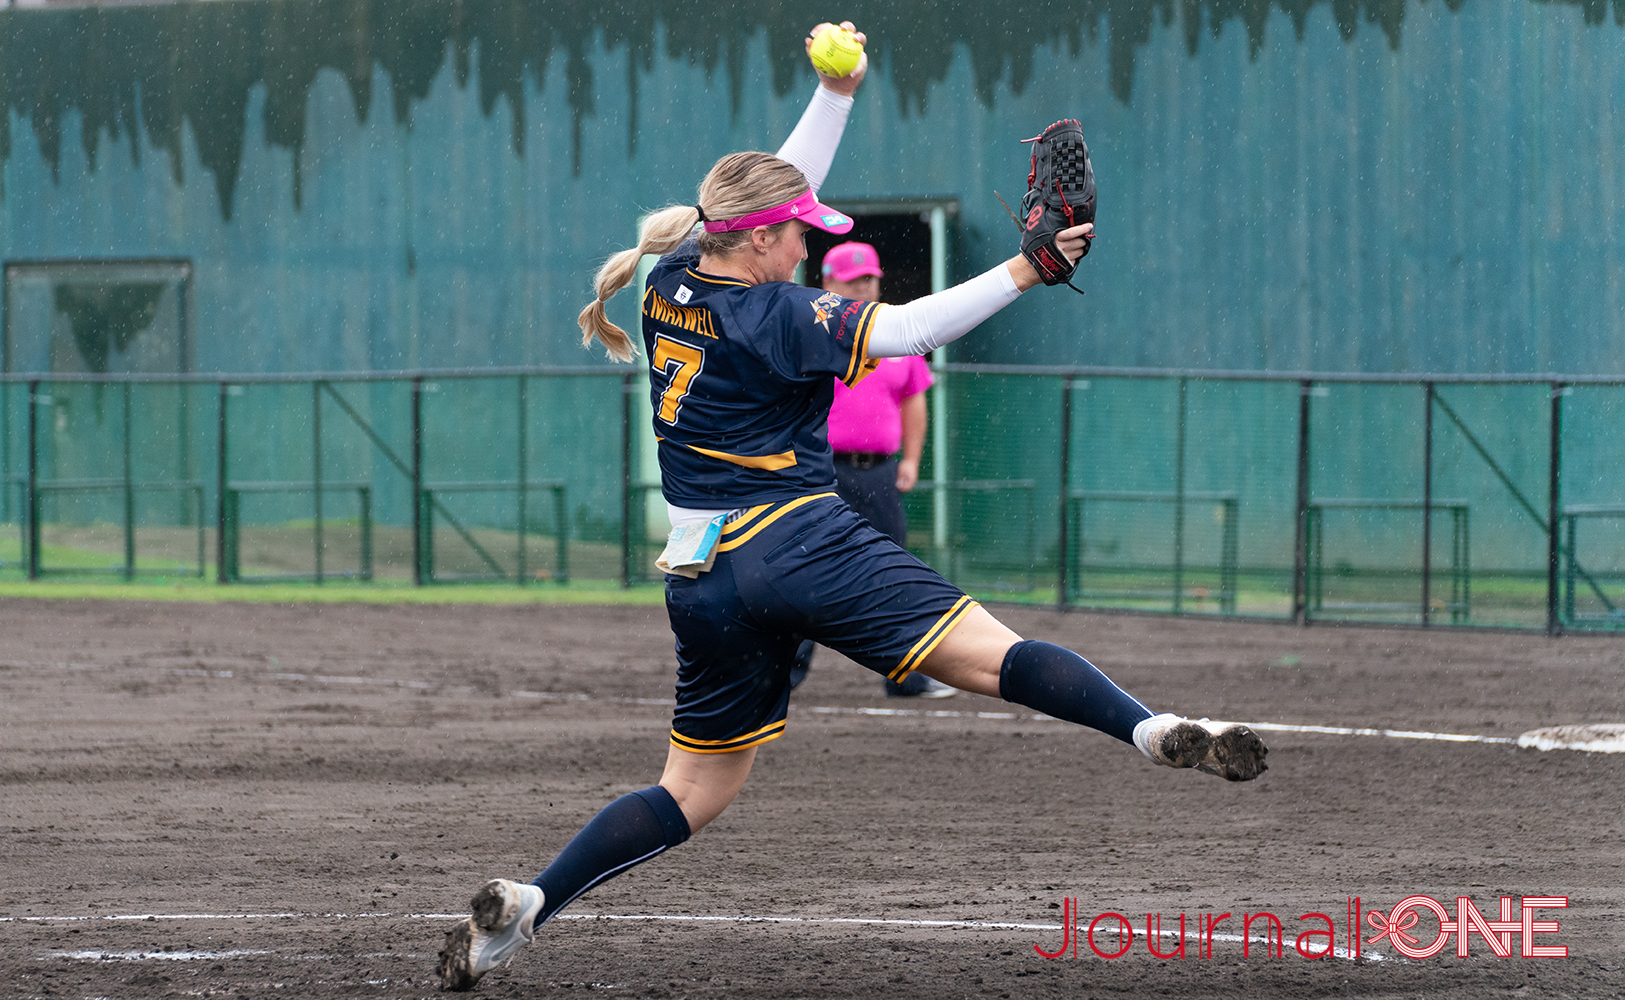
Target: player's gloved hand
[(847, 85), (1073, 243), (1060, 199)]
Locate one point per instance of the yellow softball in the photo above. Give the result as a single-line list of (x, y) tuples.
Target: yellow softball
[(835, 52)]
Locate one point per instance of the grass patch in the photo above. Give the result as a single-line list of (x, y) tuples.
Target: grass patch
[(336, 592)]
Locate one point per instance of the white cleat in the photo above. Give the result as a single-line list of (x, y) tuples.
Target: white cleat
[(498, 927), (1229, 750), (937, 689)]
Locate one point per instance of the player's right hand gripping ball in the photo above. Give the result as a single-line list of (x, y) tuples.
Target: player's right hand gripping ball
[(835, 52), (1060, 195)]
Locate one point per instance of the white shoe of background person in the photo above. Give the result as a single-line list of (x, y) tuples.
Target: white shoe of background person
[(498, 927), (1229, 750), (918, 685)]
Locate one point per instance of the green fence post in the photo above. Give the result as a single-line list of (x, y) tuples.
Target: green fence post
[(1179, 502), (1229, 556), (1427, 506), (364, 494), (316, 468), (32, 504), (221, 527), (427, 499), (129, 493), (561, 517), (1066, 485), (418, 548), (1569, 574), (627, 387), (5, 456), (1554, 618), (1315, 542), (1465, 557), (1300, 547), (202, 521), (234, 527), (524, 479)]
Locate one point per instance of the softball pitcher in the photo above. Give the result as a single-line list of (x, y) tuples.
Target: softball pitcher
[(763, 553)]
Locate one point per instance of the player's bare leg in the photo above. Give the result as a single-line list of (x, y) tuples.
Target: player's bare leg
[(705, 783), (984, 656), (504, 914), (971, 656)]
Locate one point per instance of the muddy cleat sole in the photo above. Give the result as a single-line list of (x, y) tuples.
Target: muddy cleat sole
[(1228, 750), (499, 925)]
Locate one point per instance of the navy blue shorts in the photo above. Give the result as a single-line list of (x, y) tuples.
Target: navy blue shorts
[(807, 568)]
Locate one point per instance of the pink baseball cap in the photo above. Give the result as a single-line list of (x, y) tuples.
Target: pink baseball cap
[(847, 261)]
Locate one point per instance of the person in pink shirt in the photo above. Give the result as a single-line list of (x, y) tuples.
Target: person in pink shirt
[(868, 424)]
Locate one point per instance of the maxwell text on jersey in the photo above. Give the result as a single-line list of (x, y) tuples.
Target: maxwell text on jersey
[(695, 319)]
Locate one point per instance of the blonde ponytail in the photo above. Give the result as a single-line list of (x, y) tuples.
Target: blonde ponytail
[(661, 233), (739, 184)]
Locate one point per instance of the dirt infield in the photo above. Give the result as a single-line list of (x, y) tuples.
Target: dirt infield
[(254, 801)]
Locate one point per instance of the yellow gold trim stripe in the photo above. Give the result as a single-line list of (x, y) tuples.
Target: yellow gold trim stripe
[(856, 362), (860, 339), (734, 543), (863, 347), (934, 635), (714, 281), (732, 739), (748, 516), (769, 732), (772, 463)]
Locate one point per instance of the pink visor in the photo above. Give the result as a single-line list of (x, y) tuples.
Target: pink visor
[(806, 208)]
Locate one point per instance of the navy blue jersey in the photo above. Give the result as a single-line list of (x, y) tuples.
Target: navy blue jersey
[(740, 378)]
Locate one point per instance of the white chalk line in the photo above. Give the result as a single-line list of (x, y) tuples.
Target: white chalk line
[(882, 712), (94, 955), (577, 697), (1393, 734)]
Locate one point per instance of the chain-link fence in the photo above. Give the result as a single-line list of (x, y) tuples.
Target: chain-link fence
[(1432, 500), (1490, 501)]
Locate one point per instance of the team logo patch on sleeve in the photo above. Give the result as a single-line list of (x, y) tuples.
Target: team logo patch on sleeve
[(824, 307)]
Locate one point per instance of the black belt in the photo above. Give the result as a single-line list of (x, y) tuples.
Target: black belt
[(862, 459)]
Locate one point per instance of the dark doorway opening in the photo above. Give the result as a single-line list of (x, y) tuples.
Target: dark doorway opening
[(903, 242)]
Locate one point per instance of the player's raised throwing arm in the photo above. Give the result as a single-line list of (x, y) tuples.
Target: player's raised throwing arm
[(810, 150)]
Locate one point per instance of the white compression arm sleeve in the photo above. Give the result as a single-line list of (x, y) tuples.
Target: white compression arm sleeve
[(927, 324), (811, 147)]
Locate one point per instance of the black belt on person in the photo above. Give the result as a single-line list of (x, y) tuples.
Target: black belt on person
[(862, 459)]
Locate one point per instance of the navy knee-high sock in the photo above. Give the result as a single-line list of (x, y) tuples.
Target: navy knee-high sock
[(630, 830), (1061, 683)]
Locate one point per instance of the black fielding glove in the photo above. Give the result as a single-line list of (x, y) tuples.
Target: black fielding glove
[(1060, 195)]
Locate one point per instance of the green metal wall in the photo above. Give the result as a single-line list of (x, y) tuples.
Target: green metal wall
[(1381, 186)]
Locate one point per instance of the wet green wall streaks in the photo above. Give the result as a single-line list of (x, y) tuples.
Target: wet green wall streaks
[(154, 67), (1357, 186)]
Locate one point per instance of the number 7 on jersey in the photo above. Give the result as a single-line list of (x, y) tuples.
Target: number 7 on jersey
[(679, 363)]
